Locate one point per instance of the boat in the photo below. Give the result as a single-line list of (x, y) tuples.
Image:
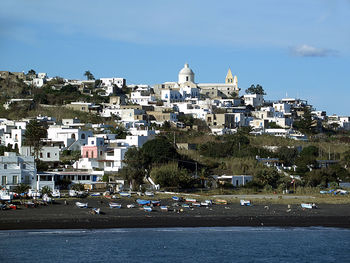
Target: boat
[(164, 208), (149, 194), (177, 199), (3, 206), (209, 202), (186, 206), (221, 201), (56, 193), (204, 204), (115, 205), (47, 199), (196, 204), (130, 206), (95, 194), (308, 206), (5, 195), (155, 203), (96, 211), (29, 204), (81, 205), (72, 193), (245, 202), (124, 194), (147, 208), (33, 194), (143, 202), (12, 206), (190, 200)]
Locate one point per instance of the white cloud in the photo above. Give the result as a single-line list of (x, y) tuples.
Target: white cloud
[(310, 51)]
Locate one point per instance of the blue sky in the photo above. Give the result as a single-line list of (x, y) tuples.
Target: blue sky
[(295, 47)]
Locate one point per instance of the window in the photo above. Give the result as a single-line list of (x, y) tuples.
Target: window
[(5, 166), (101, 153), (3, 180), (48, 155), (15, 179), (24, 166), (83, 136), (92, 142), (41, 155), (186, 78)]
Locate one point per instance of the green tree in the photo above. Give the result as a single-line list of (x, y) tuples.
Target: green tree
[(158, 150), (89, 75), (267, 177), (255, 90), (170, 175), (46, 190), (305, 125), (35, 131)]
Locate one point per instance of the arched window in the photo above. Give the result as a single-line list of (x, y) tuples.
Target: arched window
[(73, 136), (83, 136)]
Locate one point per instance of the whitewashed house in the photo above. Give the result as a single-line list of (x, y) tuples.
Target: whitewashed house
[(16, 170)]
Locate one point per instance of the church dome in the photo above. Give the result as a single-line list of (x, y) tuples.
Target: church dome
[(186, 74)]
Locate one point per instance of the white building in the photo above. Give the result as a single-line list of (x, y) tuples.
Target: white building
[(68, 136), (254, 100), (46, 153), (16, 170)]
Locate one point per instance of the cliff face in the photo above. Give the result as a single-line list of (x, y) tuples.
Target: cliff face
[(12, 87)]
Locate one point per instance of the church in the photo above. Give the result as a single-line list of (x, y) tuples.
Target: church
[(187, 88)]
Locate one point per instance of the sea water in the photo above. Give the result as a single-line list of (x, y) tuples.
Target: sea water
[(215, 244)]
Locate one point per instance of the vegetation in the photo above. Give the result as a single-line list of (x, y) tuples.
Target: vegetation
[(255, 90), (35, 131)]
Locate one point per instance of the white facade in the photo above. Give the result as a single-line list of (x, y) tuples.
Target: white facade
[(68, 136), (46, 153), (171, 95), (119, 82), (253, 99), (186, 75), (16, 170)]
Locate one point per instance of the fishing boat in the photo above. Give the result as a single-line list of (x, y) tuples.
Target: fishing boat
[(47, 199), (245, 202), (164, 208), (151, 194), (125, 194), (177, 198), (12, 206), (5, 195), (95, 194), (115, 205), (147, 208), (308, 206), (34, 194), (56, 193), (196, 204), (96, 211), (72, 193), (209, 202), (190, 200), (204, 204), (130, 206), (221, 201), (186, 206), (143, 202), (155, 203), (81, 205)]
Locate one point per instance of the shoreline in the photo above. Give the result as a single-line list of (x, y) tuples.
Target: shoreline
[(61, 216), (157, 222)]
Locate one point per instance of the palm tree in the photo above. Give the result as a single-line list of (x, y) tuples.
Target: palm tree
[(46, 190), (21, 189), (89, 75)]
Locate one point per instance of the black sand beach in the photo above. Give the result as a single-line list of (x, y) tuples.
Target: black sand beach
[(61, 216)]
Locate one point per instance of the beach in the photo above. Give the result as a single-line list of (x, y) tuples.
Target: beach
[(68, 216)]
